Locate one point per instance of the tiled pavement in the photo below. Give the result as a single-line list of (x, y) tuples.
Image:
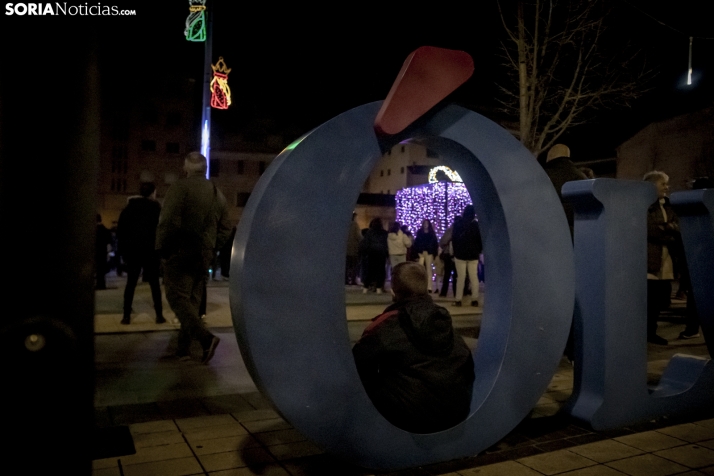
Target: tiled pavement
[(189, 419)]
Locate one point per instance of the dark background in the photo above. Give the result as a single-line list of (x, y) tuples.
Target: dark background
[(295, 67)]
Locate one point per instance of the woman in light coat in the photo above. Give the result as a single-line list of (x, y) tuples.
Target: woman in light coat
[(398, 243)]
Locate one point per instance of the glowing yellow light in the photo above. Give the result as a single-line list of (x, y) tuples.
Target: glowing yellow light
[(453, 176)]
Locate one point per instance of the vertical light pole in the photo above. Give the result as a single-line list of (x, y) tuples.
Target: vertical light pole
[(689, 70), (206, 104)]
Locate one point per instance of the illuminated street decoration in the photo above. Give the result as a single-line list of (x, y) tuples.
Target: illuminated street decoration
[(220, 92), (437, 202), (196, 21), (453, 176)]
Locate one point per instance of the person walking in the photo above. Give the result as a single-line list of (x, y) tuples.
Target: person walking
[(467, 249), (426, 247), (193, 223), (136, 236)]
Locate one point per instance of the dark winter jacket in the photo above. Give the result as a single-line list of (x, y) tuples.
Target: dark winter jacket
[(466, 240), (416, 370), (425, 242), (136, 229), (193, 205), (662, 233), (374, 243), (561, 170)]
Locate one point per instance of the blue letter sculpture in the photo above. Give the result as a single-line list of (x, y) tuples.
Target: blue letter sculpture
[(610, 388), (287, 293), (696, 218)]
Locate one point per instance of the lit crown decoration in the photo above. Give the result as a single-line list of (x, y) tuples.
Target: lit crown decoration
[(220, 92), (453, 175), (196, 21)]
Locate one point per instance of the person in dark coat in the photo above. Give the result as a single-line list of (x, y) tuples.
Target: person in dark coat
[(375, 250), (662, 238), (192, 225), (467, 245), (560, 169), (416, 370), (136, 239), (426, 248)]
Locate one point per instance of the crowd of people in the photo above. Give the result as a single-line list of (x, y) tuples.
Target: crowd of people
[(374, 252), (180, 242)]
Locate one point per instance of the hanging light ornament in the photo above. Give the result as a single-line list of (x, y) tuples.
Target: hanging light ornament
[(689, 71), (196, 21), (439, 202), (220, 92)]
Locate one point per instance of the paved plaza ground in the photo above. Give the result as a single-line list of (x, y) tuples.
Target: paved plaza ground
[(191, 419)]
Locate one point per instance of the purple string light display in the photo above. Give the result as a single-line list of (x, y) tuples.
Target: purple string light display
[(438, 202)]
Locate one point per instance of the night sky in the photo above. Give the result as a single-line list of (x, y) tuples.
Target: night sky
[(295, 67)]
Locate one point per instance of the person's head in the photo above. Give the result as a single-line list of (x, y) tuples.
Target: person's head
[(146, 189), (426, 226), (660, 181), (558, 150), (376, 224), (469, 213), (396, 226), (405, 230), (408, 280), (194, 163)]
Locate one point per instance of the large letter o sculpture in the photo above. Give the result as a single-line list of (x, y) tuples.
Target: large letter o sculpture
[(287, 291)]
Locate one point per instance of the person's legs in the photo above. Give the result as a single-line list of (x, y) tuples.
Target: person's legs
[(428, 264), (204, 300), (183, 292), (460, 278), (133, 268), (472, 269), (448, 274), (151, 275)]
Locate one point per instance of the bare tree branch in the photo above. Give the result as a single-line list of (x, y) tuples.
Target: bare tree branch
[(561, 74)]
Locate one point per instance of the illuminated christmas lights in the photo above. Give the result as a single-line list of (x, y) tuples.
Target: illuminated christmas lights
[(438, 202), (453, 176), (196, 21), (220, 92)]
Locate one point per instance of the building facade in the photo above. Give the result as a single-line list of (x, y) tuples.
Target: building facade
[(682, 147)]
